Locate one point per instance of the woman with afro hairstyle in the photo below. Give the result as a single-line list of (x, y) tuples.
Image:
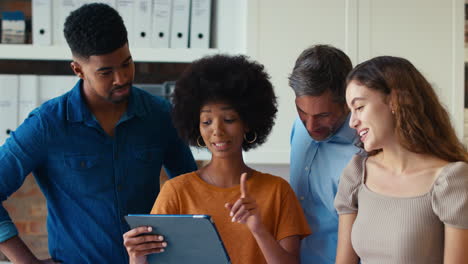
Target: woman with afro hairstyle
[(227, 104)]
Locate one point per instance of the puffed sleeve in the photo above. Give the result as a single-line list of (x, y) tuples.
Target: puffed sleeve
[(346, 200), (450, 195)]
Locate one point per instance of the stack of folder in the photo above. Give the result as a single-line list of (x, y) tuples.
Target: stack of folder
[(20, 94), (150, 23)]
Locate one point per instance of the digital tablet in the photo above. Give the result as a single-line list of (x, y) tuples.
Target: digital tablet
[(190, 238)]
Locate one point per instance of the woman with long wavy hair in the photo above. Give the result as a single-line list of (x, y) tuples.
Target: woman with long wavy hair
[(405, 199)]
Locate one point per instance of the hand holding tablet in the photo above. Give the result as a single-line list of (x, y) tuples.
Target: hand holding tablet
[(186, 239), (139, 243)]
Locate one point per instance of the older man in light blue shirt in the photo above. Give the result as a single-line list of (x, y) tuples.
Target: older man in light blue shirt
[(322, 143)]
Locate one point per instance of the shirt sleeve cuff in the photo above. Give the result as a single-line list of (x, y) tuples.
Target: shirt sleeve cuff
[(7, 230)]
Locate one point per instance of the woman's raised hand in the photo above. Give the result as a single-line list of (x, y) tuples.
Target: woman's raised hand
[(245, 209)]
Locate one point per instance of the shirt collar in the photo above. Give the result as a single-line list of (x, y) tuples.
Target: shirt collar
[(78, 111), (76, 107), (137, 106)]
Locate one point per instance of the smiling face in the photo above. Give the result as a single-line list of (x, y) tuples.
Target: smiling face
[(371, 116), (108, 77), (321, 115), (222, 130)]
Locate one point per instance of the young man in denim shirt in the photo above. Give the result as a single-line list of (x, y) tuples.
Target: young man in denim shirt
[(96, 151)]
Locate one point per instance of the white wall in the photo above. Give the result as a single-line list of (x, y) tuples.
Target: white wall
[(282, 30), (281, 170)]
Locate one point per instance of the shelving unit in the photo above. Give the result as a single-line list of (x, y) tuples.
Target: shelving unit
[(232, 32), (34, 52), (230, 20)]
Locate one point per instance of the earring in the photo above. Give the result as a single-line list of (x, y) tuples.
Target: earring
[(250, 141), (198, 142), (393, 112)]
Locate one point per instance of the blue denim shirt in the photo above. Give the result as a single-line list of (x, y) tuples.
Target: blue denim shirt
[(91, 180), (315, 169)]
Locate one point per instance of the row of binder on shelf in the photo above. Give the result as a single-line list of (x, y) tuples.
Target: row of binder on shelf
[(150, 23), (20, 94)]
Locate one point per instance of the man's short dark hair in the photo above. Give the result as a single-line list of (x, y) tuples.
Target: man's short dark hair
[(234, 80), (94, 29), (318, 69)]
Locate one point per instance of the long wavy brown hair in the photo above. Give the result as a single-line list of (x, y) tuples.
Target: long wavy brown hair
[(422, 123)]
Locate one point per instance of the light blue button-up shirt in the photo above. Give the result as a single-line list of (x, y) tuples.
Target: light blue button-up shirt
[(316, 167)]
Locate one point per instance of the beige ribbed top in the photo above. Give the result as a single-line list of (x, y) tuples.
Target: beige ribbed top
[(403, 230)]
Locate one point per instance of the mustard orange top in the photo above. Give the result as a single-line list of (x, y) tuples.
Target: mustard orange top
[(279, 208)]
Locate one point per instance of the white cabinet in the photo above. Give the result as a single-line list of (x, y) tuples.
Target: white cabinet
[(427, 32)]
